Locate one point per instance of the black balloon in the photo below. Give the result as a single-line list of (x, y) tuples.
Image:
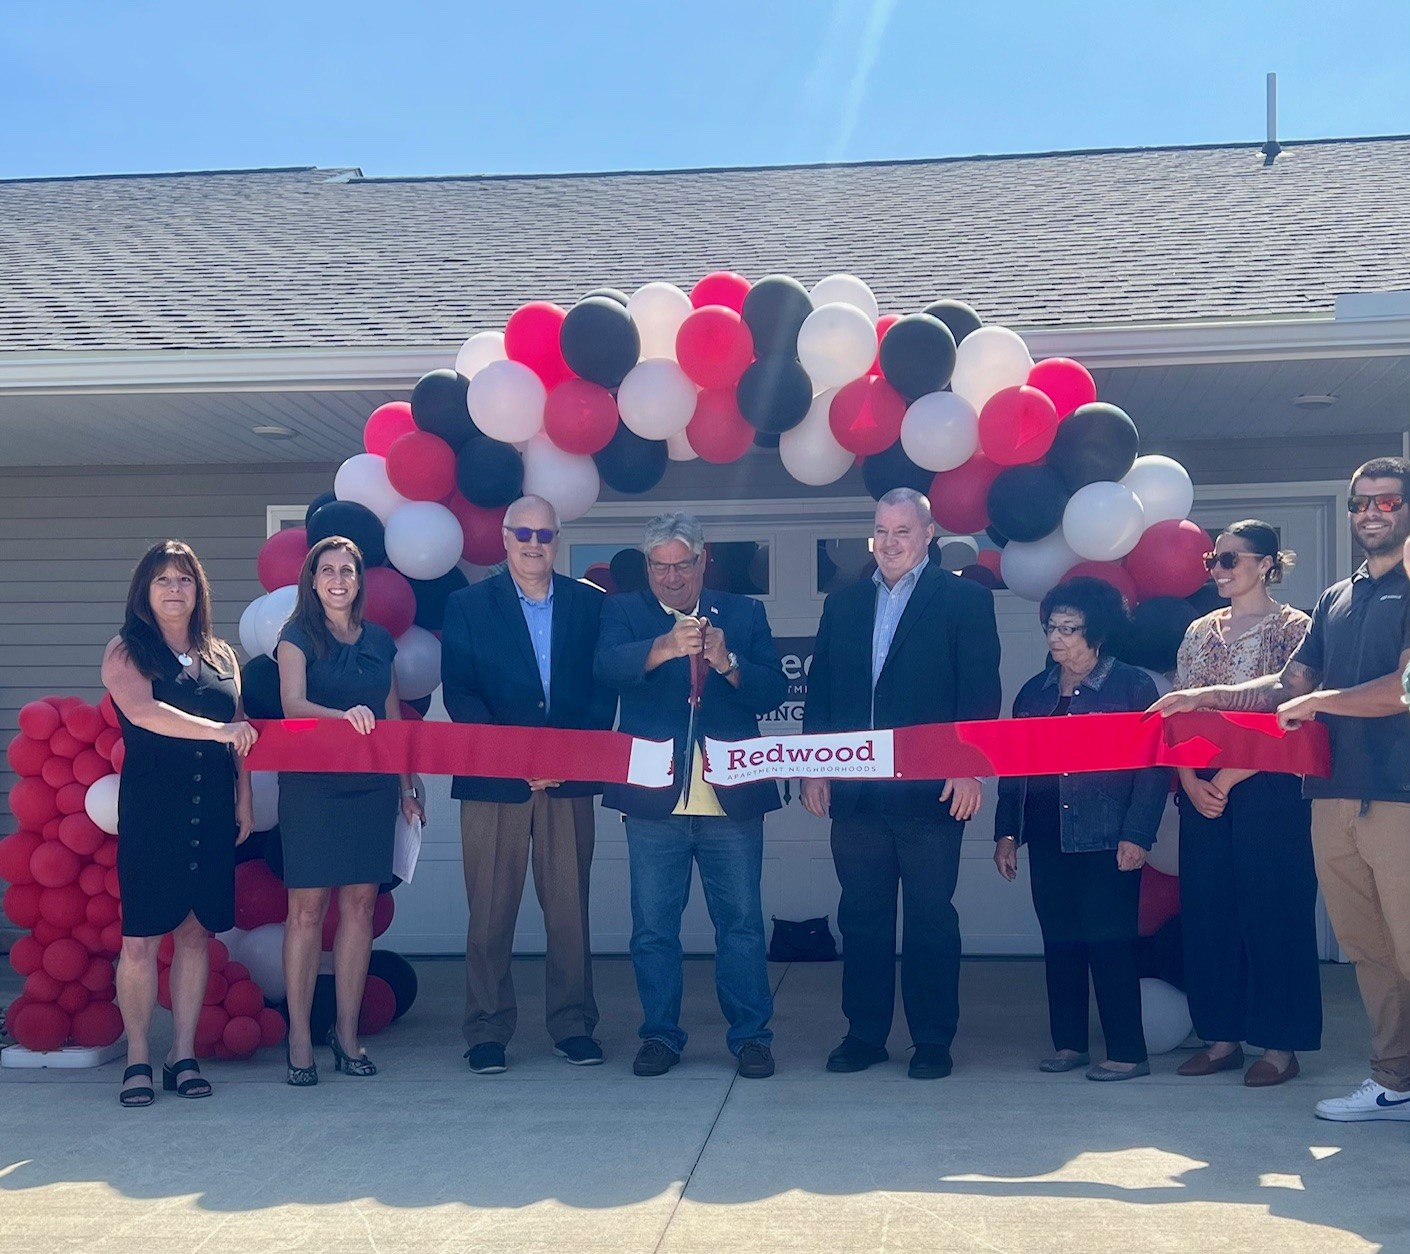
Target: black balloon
[(1206, 598), (318, 502), (489, 473), (630, 463), (599, 341), (611, 293), (399, 973), (1152, 637), (893, 469), (1094, 443), (774, 310), (438, 406), (996, 535), (955, 314), (422, 704), (253, 848), (774, 394), (274, 853), (354, 522), (323, 1014), (1026, 502), (259, 688), (917, 355), (432, 595), (981, 575), (628, 568), (766, 439)]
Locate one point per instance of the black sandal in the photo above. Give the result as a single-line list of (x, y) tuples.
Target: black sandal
[(197, 1086), (138, 1094)]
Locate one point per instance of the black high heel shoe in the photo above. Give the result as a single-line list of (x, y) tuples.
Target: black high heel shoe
[(196, 1086), (299, 1077), (345, 1062), (137, 1094)]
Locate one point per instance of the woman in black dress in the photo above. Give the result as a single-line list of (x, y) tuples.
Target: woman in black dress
[(337, 828), (183, 803)]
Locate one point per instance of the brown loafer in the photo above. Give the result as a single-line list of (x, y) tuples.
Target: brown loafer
[(1203, 1064), (1264, 1075)]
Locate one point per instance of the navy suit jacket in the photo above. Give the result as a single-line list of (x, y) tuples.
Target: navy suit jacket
[(490, 673), (655, 705), (942, 667)]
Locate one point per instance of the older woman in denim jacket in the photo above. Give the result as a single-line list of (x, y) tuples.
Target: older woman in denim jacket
[(1087, 834)]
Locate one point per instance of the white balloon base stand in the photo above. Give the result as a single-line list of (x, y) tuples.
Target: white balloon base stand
[(71, 1056)]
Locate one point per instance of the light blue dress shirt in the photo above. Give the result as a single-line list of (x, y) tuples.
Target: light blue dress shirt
[(539, 617), (890, 605)]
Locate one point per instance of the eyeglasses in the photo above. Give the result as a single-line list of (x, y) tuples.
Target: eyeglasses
[(1065, 630), (544, 535), (1224, 561), (661, 569), (1386, 502)]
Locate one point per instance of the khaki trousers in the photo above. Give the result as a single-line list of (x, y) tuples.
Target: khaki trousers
[(1363, 866), (499, 841)]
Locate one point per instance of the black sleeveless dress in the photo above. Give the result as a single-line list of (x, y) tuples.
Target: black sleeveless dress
[(176, 812)]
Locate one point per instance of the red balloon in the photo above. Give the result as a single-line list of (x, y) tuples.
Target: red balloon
[(531, 338), (84, 722), (883, 325), (382, 911), (90, 766), (39, 720), (15, 852), (109, 710), (959, 498), (1017, 426), (865, 416), (112, 938), (1109, 572), (389, 602), (717, 430), (32, 801), (234, 972), (385, 424), (26, 955), (112, 885), (66, 960), (379, 1007), (98, 974), (54, 864), (41, 986), (281, 557), (106, 741), (72, 998), (47, 933), (216, 988), (714, 347), (259, 897), (600, 574), (81, 834), (50, 831), (27, 755), (69, 798), (580, 417), (99, 1023), (210, 1023), (244, 998), (483, 530), (1168, 560), (65, 743), (1066, 383), (722, 287), (57, 772), (421, 466), (106, 853), (164, 988), (119, 755), (41, 1027), (410, 713), (1159, 901), (271, 1026), (90, 937), (21, 903), (218, 956), (103, 910), (241, 1036), (166, 949), (93, 879)]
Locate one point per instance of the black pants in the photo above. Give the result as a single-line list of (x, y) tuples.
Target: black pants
[(1087, 909), (874, 854), (1248, 889)]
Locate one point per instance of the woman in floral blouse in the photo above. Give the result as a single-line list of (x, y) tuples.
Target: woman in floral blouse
[(1247, 883)]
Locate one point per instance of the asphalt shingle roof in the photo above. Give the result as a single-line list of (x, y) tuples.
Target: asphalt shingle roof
[(321, 257)]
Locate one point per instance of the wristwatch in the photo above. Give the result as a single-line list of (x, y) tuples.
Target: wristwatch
[(731, 668), (410, 792)]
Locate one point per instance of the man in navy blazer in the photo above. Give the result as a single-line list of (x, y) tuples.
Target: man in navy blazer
[(914, 644), (644, 652), (517, 649)]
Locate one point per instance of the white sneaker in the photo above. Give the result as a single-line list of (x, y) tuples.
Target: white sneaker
[(1369, 1101)]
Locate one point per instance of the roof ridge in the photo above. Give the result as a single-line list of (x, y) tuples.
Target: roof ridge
[(182, 174)]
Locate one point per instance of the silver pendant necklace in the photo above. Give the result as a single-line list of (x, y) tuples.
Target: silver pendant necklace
[(183, 657)]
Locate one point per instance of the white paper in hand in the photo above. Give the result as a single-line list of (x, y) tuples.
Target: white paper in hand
[(407, 848)]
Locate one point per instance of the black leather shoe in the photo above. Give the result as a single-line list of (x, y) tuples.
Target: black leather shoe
[(930, 1062), (581, 1051), (756, 1061), (654, 1058), (855, 1055), (487, 1058)]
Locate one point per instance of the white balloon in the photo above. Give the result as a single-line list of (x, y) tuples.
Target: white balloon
[(249, 640), (424, 540), (569, 481), (506, 401), (1163, 487), (987, 361), (274, 610), (940, 431), (957, 552), (1031, 570), (101, 803), (656, 399), (261, 952), (658, 309), (1165, 1015), (417, 664), (1103, 521), (809, 452), (478, 351), (363, 478), (264, 796), (847, 289), (836, 344), (1165, 853), (678, 448)]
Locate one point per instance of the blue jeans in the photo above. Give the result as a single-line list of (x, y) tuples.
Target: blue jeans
[(730, 854)]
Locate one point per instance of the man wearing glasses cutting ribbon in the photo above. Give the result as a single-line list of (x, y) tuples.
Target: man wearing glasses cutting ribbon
[(1347, 672)]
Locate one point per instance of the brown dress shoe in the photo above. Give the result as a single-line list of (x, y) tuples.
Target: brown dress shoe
[(1264, 1075), (1203, 1064)]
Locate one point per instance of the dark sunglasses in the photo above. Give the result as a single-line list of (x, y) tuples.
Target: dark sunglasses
[(544, 535), (1386, 502), (1224, 561)]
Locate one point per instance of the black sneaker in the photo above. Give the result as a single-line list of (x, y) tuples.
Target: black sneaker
[(654, 1058), (855, 1055), (487, 1059), (581, 1051), (756, 1061), (930, 1062)]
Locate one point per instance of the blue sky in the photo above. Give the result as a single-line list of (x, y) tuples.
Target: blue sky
[(547, 85)]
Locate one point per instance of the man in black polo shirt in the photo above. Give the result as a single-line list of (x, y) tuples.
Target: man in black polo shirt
[(1347, 672)]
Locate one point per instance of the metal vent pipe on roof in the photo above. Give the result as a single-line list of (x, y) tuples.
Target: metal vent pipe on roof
[(1272, 148)]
